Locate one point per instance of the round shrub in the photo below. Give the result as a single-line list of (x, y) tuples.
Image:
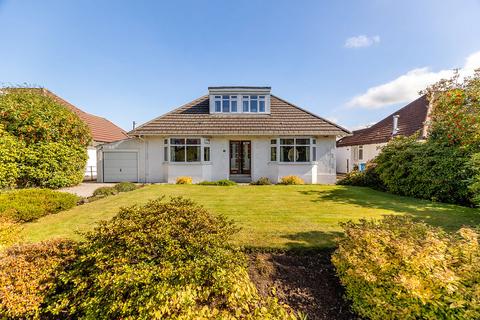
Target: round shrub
[(52, 139), (105, 191), (125, 186), (27, 272), (30, 204), (399, 269), (184, 180), (291, 180), (263, 181), (165, 260)]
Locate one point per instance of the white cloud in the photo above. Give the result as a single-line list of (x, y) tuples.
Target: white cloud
[(361, 41), (406, 87)]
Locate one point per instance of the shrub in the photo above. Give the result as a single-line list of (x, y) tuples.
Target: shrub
[(224, 182), (263, 181), (10, 154), (165, 260), (367, 178), (30, 204), (399, 269), (9, 232), (105, 191), (291, 180), (184, 180), (475, 180), (125, 186), (52, 165), (425, 170), (50, 139), (27, 272)]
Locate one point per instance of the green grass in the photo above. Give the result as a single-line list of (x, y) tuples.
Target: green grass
[(269, 216)]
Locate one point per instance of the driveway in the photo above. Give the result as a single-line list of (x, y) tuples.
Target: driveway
[(86, 189)]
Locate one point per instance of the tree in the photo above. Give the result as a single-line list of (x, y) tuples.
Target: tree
[(51, 139)]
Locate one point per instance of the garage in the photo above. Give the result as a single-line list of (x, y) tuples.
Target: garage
[(120, 166)]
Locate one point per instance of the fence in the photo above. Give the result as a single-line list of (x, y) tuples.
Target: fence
[(90, 173)]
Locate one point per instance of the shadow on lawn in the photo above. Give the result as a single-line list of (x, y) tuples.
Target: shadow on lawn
[(447, 216), (311, 240)]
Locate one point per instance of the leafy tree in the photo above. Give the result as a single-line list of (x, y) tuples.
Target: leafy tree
[(49, 140)]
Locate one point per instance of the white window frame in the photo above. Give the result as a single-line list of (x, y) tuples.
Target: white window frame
[(312, 144), (240, 99), (231, 98), (204, 143)]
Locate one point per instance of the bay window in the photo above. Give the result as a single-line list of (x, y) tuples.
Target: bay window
[(186, 150), (293, 150)]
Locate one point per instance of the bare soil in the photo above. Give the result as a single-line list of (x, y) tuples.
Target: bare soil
[(304, 281)]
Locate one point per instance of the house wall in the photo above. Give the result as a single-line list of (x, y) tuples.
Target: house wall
[(152, 168), (350, 153)]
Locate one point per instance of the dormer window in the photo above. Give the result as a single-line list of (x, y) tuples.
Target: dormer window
[(253, 103), (226, 104), (252, 100)]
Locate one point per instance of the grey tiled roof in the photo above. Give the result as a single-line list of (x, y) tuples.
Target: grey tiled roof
[(194, 119)]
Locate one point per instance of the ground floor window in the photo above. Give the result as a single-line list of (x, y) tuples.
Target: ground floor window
[(186, 149), (293, 150)]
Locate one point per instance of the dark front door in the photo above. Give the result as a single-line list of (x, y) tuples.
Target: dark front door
[(240, 157)]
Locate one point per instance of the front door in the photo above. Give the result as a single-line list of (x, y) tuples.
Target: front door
[(240, 157)]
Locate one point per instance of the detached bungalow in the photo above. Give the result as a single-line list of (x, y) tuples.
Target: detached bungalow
[(237, 133), (365, 144)]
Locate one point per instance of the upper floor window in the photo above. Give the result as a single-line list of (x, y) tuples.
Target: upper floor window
[(253, 103), (249, 103), (360, 153), (226, 104)]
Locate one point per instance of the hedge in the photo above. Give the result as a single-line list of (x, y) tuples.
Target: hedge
[(165, 260), (425, 170), (399, 269), (30, 204)]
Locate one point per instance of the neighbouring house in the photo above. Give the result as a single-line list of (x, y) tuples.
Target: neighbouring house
[(238, 133), (363, 145), (102, 130)]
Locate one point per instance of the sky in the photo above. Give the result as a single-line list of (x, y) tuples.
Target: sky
[(352, 62)]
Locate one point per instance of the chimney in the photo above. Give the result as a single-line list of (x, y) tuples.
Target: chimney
[(395, 124), (134, 125)]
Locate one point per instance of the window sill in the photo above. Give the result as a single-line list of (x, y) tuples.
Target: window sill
[(294, 163), (187, 163)]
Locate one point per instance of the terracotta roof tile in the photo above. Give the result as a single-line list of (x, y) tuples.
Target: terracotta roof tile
[(194, 119), (102, 129), (411, 119)]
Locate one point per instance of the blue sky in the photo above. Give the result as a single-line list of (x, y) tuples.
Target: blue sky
[(134, 60)]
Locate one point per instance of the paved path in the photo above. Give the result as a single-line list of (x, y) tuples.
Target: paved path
[(86, 189)]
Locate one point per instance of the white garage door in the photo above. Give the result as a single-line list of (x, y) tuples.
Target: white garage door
[(120, 166)]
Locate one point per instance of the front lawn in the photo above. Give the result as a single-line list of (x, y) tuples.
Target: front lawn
[(269, 216)]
